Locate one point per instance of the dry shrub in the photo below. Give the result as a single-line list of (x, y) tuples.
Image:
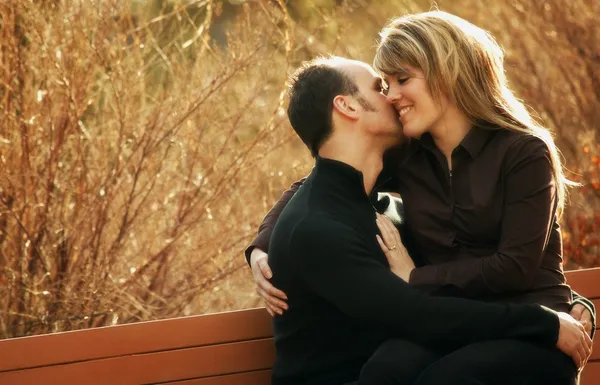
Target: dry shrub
[(130, 149), (141, 142)]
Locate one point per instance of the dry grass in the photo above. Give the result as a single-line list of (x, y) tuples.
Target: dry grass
[(142, 142)]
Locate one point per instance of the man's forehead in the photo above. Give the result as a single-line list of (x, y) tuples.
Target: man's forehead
[(358, 69)]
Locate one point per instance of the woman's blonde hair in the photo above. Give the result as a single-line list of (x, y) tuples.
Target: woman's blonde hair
[(464, 63)]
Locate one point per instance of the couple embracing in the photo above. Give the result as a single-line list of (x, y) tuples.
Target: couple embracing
[(459, 281)]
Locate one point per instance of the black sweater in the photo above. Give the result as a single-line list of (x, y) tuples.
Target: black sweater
[(344, 300)]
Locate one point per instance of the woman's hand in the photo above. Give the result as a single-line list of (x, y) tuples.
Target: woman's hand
[(274, 298), (400, 262)]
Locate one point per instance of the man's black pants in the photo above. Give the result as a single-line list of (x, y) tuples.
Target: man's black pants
[(495, 362)]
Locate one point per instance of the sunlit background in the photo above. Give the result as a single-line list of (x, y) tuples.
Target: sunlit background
[(141, 142)]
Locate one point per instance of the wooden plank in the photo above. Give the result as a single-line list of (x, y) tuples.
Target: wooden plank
[(586, 282), (591, 374), (261, 377), (205, 361), (182, 364), (114, 341)]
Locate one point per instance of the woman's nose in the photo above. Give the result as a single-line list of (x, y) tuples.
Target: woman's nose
[(393, 95)]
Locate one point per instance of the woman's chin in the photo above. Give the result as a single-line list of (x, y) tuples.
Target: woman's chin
[(411, 132)]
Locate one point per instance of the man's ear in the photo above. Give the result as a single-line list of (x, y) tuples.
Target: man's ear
[(346, 106)]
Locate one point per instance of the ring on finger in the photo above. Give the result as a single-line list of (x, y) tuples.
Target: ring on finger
[(392, 247)]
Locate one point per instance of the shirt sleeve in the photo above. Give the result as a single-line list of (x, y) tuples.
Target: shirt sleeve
[(267, 225), (528, 214), (333, 261)]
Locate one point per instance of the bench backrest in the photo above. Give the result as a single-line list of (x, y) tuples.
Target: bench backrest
[(217, 349)]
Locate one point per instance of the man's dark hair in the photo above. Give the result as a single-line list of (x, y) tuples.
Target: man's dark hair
[(312, 90)]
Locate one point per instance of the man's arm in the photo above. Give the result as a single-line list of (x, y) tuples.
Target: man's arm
[(527, 218), (334, 262), (268, 223)]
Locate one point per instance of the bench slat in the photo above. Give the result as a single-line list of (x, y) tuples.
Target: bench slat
[(261, 377), (585, 282), (597, 306), (591, 374), (166, 366), (114, 341)]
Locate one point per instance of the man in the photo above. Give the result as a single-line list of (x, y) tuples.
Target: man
[(343, 298)]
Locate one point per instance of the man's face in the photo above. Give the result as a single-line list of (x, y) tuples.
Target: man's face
[(376, 114)]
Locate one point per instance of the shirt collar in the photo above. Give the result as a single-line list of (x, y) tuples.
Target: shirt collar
[(473, 142), (476, 139), (340, 176)]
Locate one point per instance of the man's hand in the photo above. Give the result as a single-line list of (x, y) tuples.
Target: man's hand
[(273, 297), (573, 340), (583, 315), (400, 262)]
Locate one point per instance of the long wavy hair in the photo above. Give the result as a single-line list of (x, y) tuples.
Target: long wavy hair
[(464, 63)]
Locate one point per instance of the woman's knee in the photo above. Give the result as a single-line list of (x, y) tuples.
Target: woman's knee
[(396, 362), (447, 373)]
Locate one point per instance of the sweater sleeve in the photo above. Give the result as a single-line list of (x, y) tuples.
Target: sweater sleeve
[(335, 262)]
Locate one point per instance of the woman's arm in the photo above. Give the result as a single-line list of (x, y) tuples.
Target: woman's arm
[(268, 223)]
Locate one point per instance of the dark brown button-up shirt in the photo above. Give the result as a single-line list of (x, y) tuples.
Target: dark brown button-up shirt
[(488, 227)]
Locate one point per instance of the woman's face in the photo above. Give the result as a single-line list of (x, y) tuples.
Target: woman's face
[(416, 108)]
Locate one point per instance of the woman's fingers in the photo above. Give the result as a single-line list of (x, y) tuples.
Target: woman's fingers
[(387, 235), (265, 269), (268, 308), (275, 304), (270, 289), (392, 234), (382, 244)]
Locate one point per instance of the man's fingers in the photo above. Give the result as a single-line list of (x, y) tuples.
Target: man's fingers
[(587, 325), (583, 354), (265, 269), (576, 356), (588, 340), (577, 311)]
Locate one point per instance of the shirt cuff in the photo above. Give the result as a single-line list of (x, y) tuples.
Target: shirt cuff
[(424, 275), (261, 241), (589, 305)]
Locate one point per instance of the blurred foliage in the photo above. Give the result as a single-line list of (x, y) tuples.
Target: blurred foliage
[(141, 142)]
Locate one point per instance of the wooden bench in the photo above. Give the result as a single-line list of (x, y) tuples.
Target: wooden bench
[(234, 348)]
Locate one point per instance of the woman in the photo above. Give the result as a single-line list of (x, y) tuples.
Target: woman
[(483, 191)]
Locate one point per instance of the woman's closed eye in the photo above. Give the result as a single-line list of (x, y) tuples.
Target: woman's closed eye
[(402, 80)]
